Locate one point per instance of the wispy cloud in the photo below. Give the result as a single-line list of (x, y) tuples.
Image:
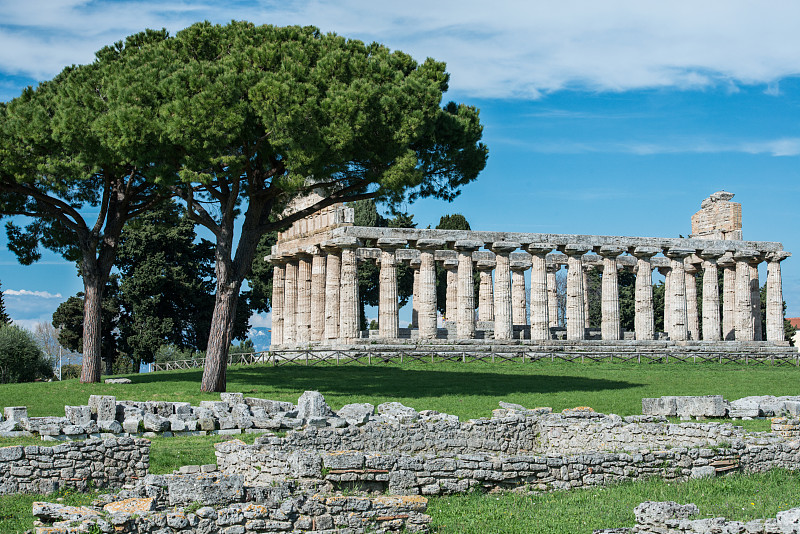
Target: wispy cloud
[(27, 293), (496, 49), (782, 147)]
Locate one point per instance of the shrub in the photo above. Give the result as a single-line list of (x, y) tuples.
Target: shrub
[(21, 359), (70, 371)]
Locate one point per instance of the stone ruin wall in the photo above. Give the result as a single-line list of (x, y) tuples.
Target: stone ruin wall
[(718, 218), (100, 463)]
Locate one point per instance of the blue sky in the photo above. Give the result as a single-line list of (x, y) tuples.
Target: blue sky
[(614, 117)]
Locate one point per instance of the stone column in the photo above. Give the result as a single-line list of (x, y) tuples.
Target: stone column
[(692, 319), (610, 293), (466, 292), (666, 272), (451, 292), (576, 319), (586, 269), (318, 265), (277, 301), (427, 288), (290, 302), (414, 264), (519, 301), (388, 307), (348, 293), (728, 296), (552, 294), (540, 312), (710, 294), (678, 301), (333, 275), (503, 327), (643, 293), (744, 312), (775, 296), (485, 290), (755, 300), (303, 299)]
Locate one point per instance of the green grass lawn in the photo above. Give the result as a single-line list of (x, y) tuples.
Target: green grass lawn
[(469, 391)]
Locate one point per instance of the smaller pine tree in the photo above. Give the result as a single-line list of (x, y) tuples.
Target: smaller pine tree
[(4, 318)]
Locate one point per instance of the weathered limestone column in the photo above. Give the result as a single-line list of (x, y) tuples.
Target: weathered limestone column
[(744, 312), (576, 320), (755, 299), (519, 302), (692, 319), (277, 301), (485, 290), (290, 302), (427, 287), (610, 328), (540, 313), (348, 293), (303, 325), (466, 291), (388, 307), (333, 274), (728, 296), (318, 266), (586, 269), (503, 327), (710, 294), (680, 330), (451, 293), (643, 293), (414, 264), (666, 272), (552, 294), (775, 296)]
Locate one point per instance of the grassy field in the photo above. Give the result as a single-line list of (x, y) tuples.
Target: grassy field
[(466, 390)]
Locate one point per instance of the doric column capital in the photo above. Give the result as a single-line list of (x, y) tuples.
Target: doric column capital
[(678, 254), (485, 265), (450, 265), (429, 244), (553, 267), (691, 268), (466, 245), (519, 266), (390, 243), (726, 260), (345, 242), (746, 255), (710, 254), (664, 270), (414, 263), (504, 247), (645, 253), (574, 250), (608, 251), (539, 249), (777, 256)]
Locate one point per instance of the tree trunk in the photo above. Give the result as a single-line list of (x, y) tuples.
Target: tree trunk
[(90, 371), (219, 338)]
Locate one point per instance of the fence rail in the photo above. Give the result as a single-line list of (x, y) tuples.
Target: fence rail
[(382, 355)]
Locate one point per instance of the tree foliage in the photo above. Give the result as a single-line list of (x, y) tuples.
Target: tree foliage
[(21, 359), (4, 317)]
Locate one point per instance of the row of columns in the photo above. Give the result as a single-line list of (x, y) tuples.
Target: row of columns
[(315, 293)]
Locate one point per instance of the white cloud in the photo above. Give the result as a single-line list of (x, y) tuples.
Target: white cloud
[(495, 49), (261, 320), (27, 293)]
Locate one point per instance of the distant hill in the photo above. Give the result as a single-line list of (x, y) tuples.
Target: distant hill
[(260, 336)]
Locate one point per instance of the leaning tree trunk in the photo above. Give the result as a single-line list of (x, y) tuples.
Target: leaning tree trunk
[(93, 294), (219, 338)]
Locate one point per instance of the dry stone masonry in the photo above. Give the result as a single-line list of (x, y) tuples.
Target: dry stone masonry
[(502, 314)]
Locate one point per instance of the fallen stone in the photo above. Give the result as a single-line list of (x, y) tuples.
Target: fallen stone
[(155, 423), (655, 513), (104, 406), (15, 413), (270, 406), (232, 399), (118, 381), (356, 414), (312, 404), (705, 471), (206, 489), (78, 415), (133, 505), (399, 412)]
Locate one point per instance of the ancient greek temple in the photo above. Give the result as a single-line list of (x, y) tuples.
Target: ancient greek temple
[(315, 298)]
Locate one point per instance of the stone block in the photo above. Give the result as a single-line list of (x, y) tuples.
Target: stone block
[(312, 404), (399, 412), (655, 513), (118, 380), (78, 415), (131, 424), (160, 408), (356, 414), (206, 489), (705, 471), (232, 399), (745, 407), (135, 505), (343, 460), (182, 408), (703, 406), (103, 406), (665, 406), (15, 413), (155, 423), (206, 423), (305, 465), (241, 416), (270, 406), (112, 426)]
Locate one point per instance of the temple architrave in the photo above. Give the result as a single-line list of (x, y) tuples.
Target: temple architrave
[(315, 284)]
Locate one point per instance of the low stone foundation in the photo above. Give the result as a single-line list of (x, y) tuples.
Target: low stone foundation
[(668, 517), (98, 463)]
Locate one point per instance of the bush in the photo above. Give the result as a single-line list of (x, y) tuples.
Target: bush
[(70, 371), (21, 359)]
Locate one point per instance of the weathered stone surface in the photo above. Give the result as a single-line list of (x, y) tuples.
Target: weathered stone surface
[(133, 505), (103, 406), (232, 398), (78, 415), (356, 414), (155, 423), (686, 406), (398, 412), (117, 380), (270, 406), (312, 404), (206, 489), (652, 512), (15, 413)]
